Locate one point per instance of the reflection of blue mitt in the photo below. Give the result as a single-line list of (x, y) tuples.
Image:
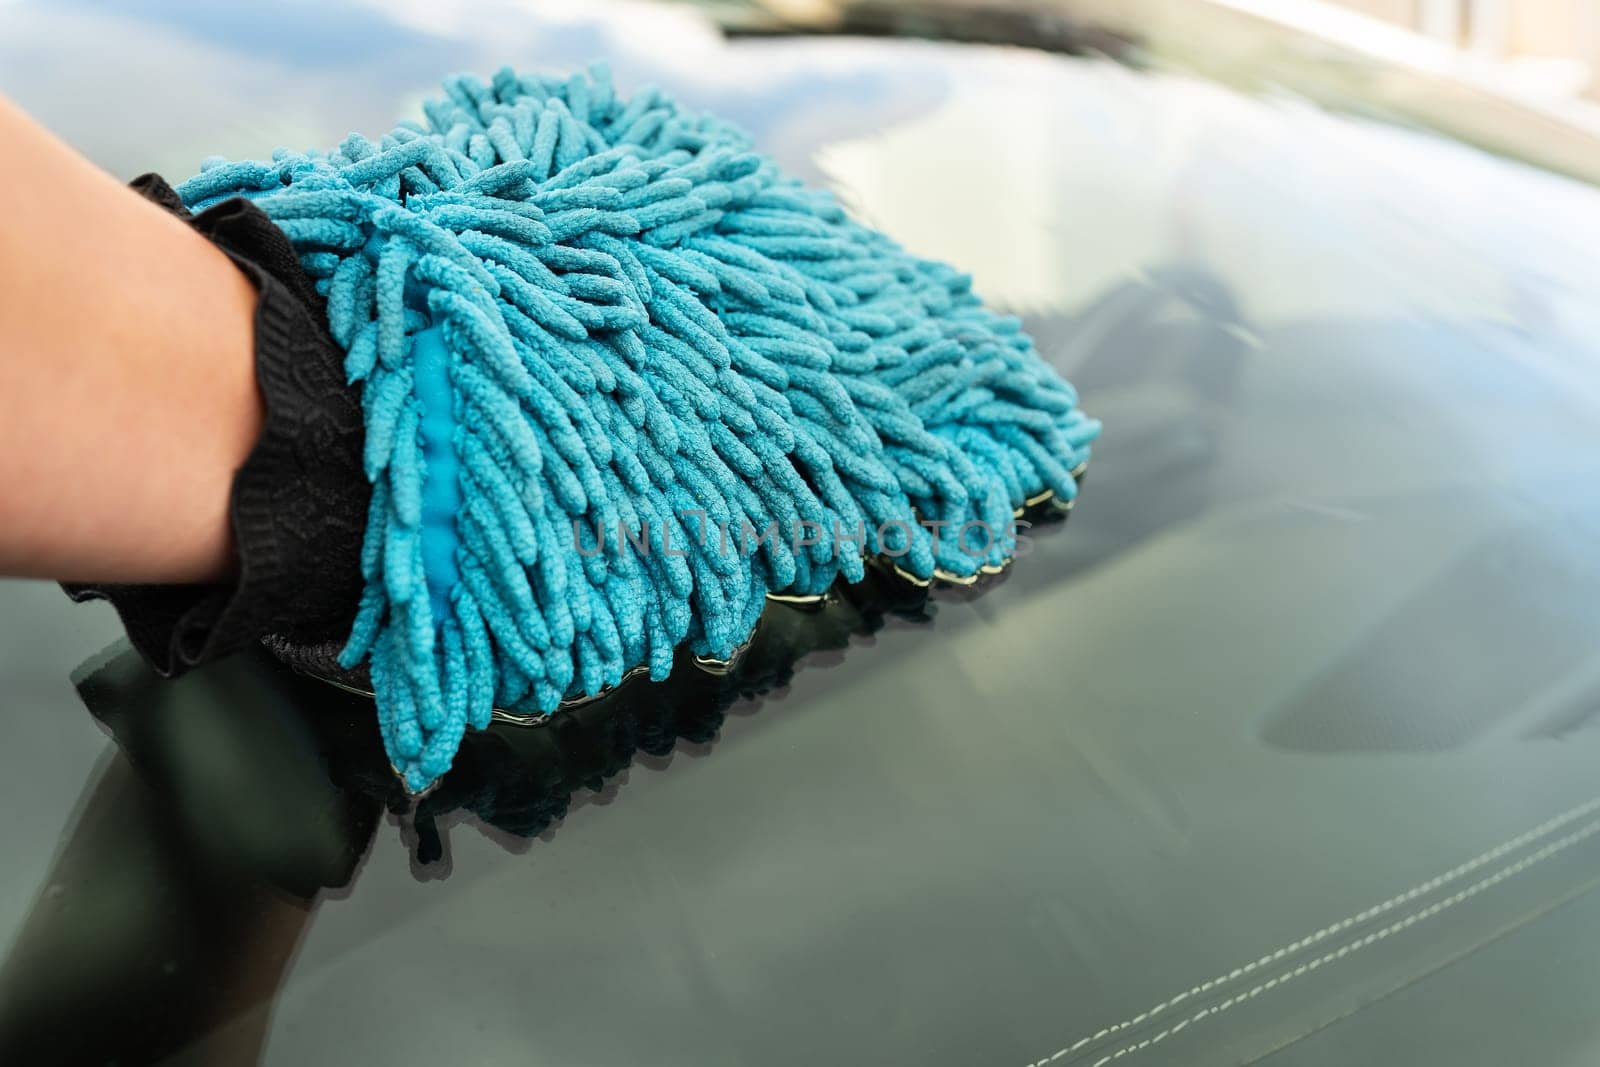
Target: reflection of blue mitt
[(622, 380)]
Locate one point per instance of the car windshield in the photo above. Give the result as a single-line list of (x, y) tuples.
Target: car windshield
[(1280, 751)]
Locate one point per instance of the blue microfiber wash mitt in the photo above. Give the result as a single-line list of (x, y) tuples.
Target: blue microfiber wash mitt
[(622, 380)]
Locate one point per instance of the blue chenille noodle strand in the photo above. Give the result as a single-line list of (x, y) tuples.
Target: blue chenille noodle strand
[(601, 341)]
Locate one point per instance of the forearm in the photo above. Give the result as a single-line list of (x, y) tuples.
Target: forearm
[(127, 389)]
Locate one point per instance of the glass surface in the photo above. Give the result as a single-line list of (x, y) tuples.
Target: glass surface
[(1281, 751)]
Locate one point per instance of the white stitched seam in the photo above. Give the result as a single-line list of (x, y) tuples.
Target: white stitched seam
[(1544, 829), (1558, 845)]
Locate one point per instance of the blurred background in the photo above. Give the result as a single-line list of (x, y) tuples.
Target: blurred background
[(1519, 76)]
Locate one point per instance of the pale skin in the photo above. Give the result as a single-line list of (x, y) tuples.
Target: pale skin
[(128, 396)]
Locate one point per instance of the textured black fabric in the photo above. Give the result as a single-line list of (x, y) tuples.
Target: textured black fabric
[(299, 502)]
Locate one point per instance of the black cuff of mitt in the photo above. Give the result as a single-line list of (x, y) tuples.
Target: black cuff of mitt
[(299, 503)]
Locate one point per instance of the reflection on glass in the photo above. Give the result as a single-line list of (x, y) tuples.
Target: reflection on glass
[(241, 795)]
